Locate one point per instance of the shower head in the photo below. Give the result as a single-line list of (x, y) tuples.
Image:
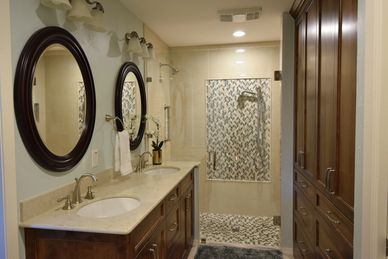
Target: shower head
[(244, 97), (174, 71)]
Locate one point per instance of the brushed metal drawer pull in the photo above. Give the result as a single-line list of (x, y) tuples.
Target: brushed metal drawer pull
[(328, 253), (332, 220), (300, 159), (303, 213), (153, 252), (173, 227), (327, 178), (156, 253), (330, 173), (304, 250), (173, 197), (303, 184)]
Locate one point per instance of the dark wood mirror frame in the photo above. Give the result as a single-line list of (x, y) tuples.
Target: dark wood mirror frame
[(124, 70), (24, 77)]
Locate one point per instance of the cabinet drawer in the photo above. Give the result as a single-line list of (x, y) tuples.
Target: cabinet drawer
[(335, 218), (173, 225), (305, 186), (187, 181), (172, 199), (330, 244), (142, 232), (302, 244), (304, 211)]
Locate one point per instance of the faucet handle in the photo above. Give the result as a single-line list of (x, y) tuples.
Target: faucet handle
[(90, 194), (68, 204)]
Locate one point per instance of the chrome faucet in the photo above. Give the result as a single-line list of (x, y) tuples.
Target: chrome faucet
[(77, 189), (142, 163)]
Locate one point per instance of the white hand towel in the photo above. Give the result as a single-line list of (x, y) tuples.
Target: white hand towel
[(117, 153), (125, 153)]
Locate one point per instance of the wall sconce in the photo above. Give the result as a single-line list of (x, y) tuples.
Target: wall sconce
[(145, 54), (79, 11), (133, 43), (151, 51), (97, 22), (57, 4)]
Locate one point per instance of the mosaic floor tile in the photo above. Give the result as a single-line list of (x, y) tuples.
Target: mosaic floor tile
[(239, 229)]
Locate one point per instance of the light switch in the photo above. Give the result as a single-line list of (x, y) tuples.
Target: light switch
[(95, 157)]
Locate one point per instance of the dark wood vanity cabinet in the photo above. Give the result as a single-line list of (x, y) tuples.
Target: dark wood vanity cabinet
[(165, 233), (325, 103)]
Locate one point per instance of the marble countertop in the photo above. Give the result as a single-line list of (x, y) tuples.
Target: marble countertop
[(150, 190)]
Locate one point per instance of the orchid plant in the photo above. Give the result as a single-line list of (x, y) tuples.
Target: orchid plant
[(156, 144)]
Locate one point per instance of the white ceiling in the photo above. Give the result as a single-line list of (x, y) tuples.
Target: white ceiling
[(195, 22)]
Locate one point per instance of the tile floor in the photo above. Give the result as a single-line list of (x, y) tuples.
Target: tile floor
[(239, 229)]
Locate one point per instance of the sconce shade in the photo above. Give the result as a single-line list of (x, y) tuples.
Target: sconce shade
[(134, 44), (97, 22), (57, 4), (80, 12), (145, 54), (151, 51)]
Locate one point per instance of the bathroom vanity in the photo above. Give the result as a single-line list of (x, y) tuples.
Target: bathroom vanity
[(161, 227)]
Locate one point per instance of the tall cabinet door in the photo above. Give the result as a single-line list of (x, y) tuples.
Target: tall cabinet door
[(300, 94), (311, 101), (344, 179), (329, 31)]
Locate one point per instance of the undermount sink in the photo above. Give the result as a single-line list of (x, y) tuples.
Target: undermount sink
[(161, 170), (109, 207)]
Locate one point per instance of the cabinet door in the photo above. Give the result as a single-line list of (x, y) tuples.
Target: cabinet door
[(347, 109), (188, 220), (330, 13), (155, 247), (300, 93), (311, 95)]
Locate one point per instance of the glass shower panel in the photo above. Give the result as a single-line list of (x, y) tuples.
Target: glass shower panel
[(239, 129)]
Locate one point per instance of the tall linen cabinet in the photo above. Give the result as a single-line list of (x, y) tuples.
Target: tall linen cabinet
[(325, 104)]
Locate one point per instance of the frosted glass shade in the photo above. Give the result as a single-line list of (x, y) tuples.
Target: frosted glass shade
[(57, 4), (97, 22), (134, 46), (151, 51), (80, 12), (145, 53)]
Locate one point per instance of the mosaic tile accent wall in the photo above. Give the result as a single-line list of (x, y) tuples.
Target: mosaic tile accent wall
[(238, 133), (128, 101), (81, 107)]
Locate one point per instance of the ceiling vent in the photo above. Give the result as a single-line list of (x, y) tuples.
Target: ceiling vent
[(240, 15)]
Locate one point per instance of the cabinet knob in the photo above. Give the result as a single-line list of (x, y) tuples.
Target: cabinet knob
[(328, 253), (174, 227), (173, 197)]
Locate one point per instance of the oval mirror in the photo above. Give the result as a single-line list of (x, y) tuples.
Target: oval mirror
[(130, 103), (54, 99)]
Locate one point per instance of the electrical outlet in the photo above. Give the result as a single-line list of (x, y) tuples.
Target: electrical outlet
[(95, 157)]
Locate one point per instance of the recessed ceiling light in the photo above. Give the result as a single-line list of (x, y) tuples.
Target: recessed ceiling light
[(240, 50), (238, 34), (239, 62)]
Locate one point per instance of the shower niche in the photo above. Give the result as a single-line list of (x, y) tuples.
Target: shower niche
[(239, 129)]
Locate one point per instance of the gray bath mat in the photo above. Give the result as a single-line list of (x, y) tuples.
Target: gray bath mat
[(229, 252)]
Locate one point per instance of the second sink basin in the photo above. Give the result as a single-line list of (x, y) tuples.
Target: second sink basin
[(161, 170), (109, 207)]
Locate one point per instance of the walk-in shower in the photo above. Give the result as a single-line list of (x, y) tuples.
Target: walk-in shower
[(226, 115)]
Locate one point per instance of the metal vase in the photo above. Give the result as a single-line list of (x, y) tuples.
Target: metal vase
[(157, 157)]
